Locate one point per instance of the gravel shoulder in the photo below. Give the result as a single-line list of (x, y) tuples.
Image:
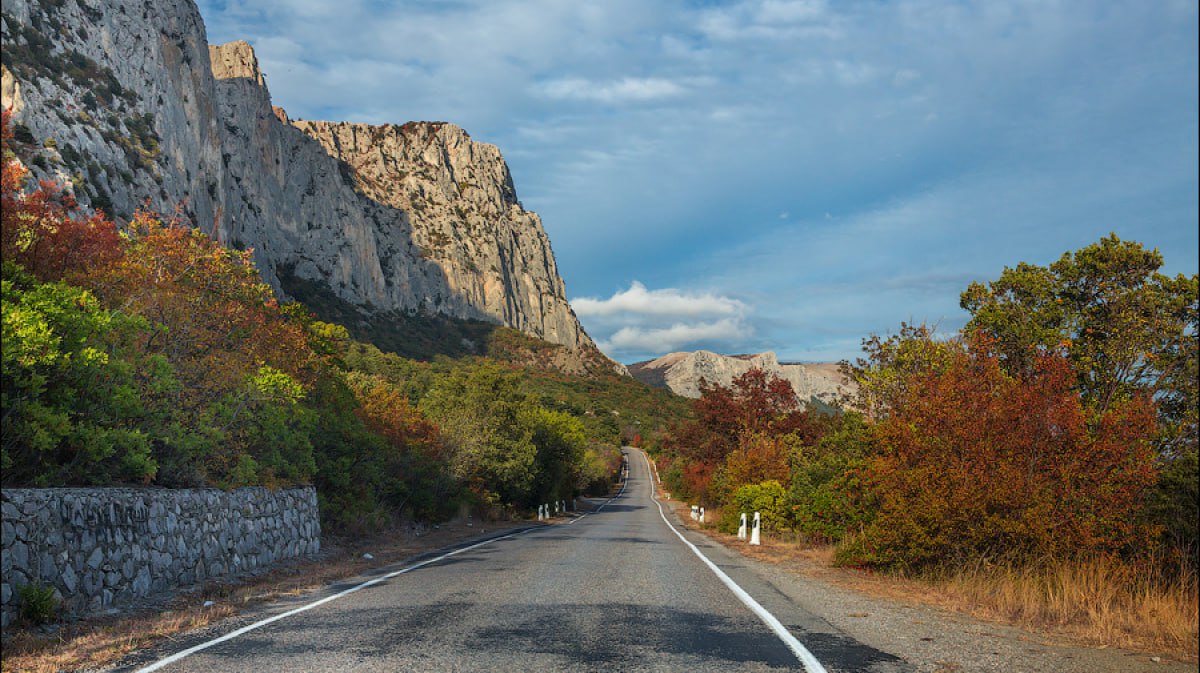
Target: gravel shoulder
[(931, 639)]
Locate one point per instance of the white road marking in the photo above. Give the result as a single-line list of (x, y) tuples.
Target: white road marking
[(623, 485), (810, 662), (259, 624)]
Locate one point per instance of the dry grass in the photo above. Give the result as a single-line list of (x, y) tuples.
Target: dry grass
[(95, 643), (1098, 602)]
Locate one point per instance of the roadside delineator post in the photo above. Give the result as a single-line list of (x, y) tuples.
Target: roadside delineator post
[(701, 519), (540, 517), (754, 535), (742, 528)]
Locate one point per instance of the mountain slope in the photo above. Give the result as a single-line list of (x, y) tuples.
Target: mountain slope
[(128, 103)]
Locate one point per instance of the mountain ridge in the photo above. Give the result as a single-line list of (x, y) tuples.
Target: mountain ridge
[(127, 103), (681, 372)]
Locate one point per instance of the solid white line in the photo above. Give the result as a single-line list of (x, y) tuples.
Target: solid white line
[(623, 485), (259, 624), (810, 662)]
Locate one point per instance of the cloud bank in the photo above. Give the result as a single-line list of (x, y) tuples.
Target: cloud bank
[(640, 323)]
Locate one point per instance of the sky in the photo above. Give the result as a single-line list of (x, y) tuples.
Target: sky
[(784, 175)]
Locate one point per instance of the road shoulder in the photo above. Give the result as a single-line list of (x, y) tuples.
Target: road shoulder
[(931, 639)]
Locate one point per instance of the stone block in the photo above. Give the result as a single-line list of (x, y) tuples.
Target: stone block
[(70, 581), (49, 568)]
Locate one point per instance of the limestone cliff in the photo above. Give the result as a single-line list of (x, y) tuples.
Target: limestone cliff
[(682, 373), (126, 101)]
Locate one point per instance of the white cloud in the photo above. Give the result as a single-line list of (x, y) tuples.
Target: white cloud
[(667, 302), (626, 89), (666, 339)]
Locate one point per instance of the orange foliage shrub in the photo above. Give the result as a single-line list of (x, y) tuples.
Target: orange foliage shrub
[(977, 462), (758, 458), (43, 230)]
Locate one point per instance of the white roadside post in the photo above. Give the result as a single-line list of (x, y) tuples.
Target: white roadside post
[(701, 519), (754, 535), (539, 512), (742, 528)]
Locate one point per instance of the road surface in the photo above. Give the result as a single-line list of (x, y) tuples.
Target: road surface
[(615, 590)]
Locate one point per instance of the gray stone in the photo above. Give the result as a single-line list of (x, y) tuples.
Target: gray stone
[(95, 558), (69, 580), (92, 581), (141, 583), (49, 569), (8, 534)]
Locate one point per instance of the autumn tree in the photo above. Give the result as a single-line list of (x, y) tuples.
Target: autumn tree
[(976, 461), (1128, 330), (742, 420)]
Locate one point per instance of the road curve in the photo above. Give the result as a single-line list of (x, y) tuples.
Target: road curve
[(616, 590)]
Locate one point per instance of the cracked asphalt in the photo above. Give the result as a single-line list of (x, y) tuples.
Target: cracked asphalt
[(614, 590)]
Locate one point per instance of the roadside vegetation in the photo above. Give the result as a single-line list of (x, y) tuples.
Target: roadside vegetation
[(151, 354), (1041, 464)]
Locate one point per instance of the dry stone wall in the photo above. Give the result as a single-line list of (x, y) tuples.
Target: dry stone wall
[(107, 547)]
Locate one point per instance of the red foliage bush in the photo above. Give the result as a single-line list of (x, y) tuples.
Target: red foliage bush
[(979, 463)]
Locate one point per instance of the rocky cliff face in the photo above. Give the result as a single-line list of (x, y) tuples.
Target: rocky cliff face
[(127, 102), (682, 373)]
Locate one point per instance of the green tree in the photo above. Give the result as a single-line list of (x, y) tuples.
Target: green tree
[(74, 382), (1125, 327), (482, 414)]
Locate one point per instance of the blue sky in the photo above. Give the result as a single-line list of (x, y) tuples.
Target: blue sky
[(773, 174)]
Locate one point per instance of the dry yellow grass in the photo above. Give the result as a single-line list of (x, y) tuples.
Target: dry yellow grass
[(1099, 601), (95, 643)]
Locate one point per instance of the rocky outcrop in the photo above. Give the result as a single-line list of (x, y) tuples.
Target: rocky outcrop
[(464, 218), (682, 373), (126, 102)]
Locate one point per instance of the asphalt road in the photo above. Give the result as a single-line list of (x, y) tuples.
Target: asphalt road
[(616, 590)]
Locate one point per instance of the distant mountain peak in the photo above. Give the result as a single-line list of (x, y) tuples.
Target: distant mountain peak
[(682, 372)]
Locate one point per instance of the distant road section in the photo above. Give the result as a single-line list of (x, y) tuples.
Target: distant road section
[(622, 589)]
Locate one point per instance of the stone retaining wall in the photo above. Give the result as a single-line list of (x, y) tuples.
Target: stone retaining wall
[(102, 547)]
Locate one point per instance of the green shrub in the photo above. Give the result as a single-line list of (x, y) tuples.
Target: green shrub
[(769, 499), (38, 603)]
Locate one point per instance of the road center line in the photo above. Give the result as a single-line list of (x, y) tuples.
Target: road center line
[(259, 624), (810, 662)]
